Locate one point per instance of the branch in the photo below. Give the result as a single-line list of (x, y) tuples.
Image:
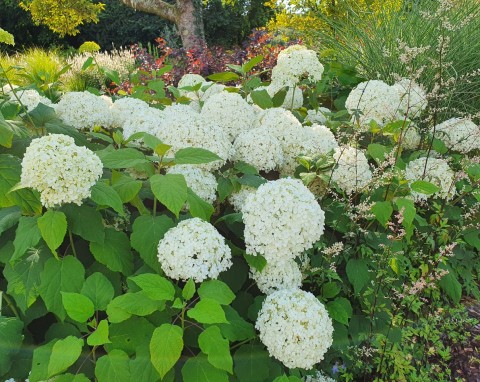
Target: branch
[(157, 7)]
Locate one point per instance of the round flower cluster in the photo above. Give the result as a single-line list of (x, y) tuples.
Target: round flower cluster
[(193, 250), (61, 171), (30, 98), (459, 134), (142, 120), (296, 62), (259, 148), (237, 199), (84, 110), (437, 172), (352, 171), (320, 139), (200, 181), (277, 276), (282, 219), (295, 328), (375, 100), (413, 98), (125, 108), (317, 116), (229, 111), (411, 138), (318, 377)]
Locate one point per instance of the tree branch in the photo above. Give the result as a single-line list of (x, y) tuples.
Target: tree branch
[(157, 7)]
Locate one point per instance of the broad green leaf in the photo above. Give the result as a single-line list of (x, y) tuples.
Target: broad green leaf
[(284, 378), (262, 98), (122, 158), (70, 378), (125, 186), (198, 369), (138, 304), (357, 273), (409, 210), (9, 217), (78, 307), (99, 290), (53, 227), (158, 87), (6, 136), (217, 348), (223, 77), (450, 284), (216, 290), (142, 368), (170, 190), (382, 211), (129, 335), (100, 335), (114, 252), (147, 231), (66, 275), (193, 155), (340, 310), (112, 75), (155, 286), (64, 354), (87, 63), (113, 367), (224, 188), (40, 362), (237, 328), (10, 341), (251, 363), (105, 195), (188, 290), (207, 311), (27, 236), (424, 187), (85, 222), (258, 262), (166, 347), (250, 64), (377, 152), (252, 180), (198, 207), (330, 289)]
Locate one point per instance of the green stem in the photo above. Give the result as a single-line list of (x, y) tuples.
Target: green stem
[(71, 243), (10, 305)]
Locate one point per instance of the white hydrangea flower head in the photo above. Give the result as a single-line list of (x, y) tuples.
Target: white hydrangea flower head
[(295, 62), (318, 377), (229, 111), (193, 250), (277, 276), (376, 101), (317, 116), (202, 182), (190, 79), (413, 98), (437, 172), (411, 138), (142, 120), (258, 148), (60, 170), (125, 108), (352, 172), (459, 134), (237, 199), (8, 88), (212, 89), (295, 328), (30, 98), (282, 220), (182, 127), (279, 122), (84, 110), (293, 98)]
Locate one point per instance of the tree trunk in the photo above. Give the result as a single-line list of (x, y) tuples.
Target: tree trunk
[(186, 14)]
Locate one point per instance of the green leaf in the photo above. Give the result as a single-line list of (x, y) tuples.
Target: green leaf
[(216, 290), (64, 354), (188, 290), (40, 362), (125, 186), (87, 63), (223, 77), (27, 236), (258, 262), (85, 222), (99, 290), (251, 363), (166, 347), (100, 335), (237, 328), (279, 97), (155, 287), (6, 136), (137, 304), (340, 310), (66, 275), (245, 168), (330, 289), (377, 152), (158, 87), (450, 284), (112, 75), (357, 273), (114, 252), (113, 367), (78, 307), (147, 231), (207, 311), (224, 188), (382, 211), (53, 227), (193, 155), (216, 348), (129, 335), (170, 190), (142, 369), (262, 98), (70, 378), (198, 207), (122, 158), (409, 210), (424, 187), (9, 217), (250, 64), (105, 195), (197, 369), (10, 340)]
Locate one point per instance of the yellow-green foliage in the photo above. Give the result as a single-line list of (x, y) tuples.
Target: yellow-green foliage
[(63, 16)]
